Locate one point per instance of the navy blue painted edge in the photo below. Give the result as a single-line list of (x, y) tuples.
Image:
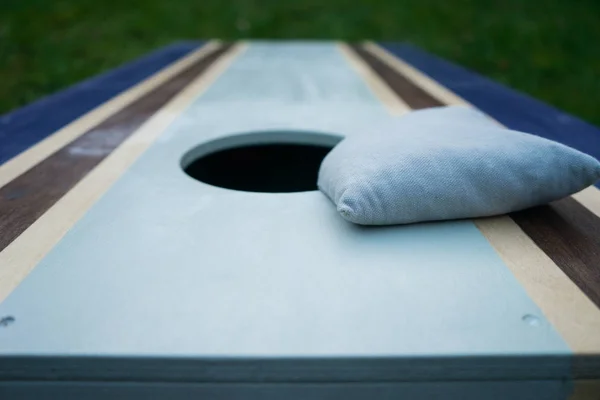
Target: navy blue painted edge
[(515, 110), (24, 127)]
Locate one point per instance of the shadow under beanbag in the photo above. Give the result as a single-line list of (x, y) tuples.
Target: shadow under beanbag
[(449, 163)]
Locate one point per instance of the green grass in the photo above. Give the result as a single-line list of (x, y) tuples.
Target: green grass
[(547, 48)]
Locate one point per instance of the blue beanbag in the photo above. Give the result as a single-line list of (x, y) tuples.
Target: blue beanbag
[(449, 163)]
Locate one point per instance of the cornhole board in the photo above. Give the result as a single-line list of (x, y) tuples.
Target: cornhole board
[(121, 276)]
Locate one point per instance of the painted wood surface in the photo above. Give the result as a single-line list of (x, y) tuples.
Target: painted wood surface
[(229, 266), (23, 254), (578, 230), (78, 125), (565, 230), (24, 199), (27, 126), (551, 250)]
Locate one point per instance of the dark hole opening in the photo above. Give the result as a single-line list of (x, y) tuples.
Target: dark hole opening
[(271, 168)]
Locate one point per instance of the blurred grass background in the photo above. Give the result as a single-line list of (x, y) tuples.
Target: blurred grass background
[(548, 49)]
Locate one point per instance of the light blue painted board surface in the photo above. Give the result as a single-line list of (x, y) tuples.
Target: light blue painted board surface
[(166, 266), (313, 74)]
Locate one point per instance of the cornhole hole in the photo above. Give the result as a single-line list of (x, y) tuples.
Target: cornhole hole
[(162, 236)]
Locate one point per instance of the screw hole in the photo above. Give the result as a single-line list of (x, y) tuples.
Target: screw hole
[(6, 321), (531, 320)]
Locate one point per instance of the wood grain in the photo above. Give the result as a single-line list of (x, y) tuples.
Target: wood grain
[(27, 197), (33, 155), (23, 253), (412, 94), (429, 85), (570, 234), (553, 251), (394, 104), (574, 315)]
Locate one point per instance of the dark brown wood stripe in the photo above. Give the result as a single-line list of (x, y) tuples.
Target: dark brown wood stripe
[(27, 197), (570, 234), (565, 230), (412, 94)]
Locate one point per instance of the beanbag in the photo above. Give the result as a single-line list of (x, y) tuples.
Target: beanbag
[(449, 163)]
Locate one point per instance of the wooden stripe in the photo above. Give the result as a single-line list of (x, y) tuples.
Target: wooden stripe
[(413, 95), (442, 94), (27, 126), (27, 197), (520, 241), (21, 256), (590, 199), (572, 313), (566, 231), (30, 157), (570, 234), (394, 104), (516, 110)]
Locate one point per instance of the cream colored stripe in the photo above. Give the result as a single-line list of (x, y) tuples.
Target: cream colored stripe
[(387, 96), (420, 79), (569, 310), (30, 157), (21, 256), (590, 199)]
